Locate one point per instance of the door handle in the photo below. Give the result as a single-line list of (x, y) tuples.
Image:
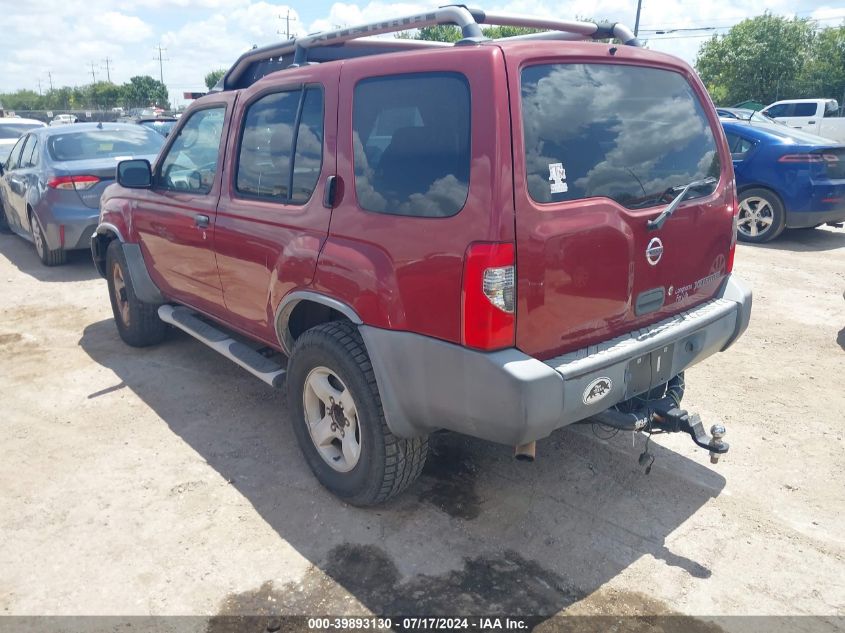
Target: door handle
[(810, 122), (201, 221)]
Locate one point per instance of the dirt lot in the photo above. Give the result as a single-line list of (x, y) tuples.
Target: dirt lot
[(167, 480)]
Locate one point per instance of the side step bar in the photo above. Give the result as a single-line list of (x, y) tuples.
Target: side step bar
[(267, 370)]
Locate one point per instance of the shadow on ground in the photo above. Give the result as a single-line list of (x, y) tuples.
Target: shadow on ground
[(21, 253), (479, 533), (805, 240)]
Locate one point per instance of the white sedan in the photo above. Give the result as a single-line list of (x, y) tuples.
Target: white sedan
[(11, 129)]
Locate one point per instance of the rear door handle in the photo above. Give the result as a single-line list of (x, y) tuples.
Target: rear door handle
[(810, 122), (201, 221)]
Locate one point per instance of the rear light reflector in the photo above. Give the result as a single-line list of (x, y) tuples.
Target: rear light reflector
[(488, 298), (733, 201), (80, 183)]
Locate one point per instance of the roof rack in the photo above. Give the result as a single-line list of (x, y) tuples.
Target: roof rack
[(338, 44)]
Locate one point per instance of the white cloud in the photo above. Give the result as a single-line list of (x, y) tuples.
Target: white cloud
[(64, 37)]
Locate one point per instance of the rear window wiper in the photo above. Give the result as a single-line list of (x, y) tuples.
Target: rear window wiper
[(657, 222)]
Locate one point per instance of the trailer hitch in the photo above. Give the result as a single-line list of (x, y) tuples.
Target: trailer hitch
[(665, 416), (676, 420)]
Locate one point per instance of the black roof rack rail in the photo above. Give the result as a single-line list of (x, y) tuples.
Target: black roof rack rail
[(340, 44)]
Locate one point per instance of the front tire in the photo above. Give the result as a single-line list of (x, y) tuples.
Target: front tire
[(137, 322), (48, 256), (337, 417), (761, 216)]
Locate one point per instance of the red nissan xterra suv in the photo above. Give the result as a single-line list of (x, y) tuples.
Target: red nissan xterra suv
[(496, 237)]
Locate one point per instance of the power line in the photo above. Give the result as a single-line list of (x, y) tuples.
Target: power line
[(108, 61), (287, 20)]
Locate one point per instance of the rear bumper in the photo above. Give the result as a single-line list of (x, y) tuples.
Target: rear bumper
[(807, 219), (512, 398), (78, 222)]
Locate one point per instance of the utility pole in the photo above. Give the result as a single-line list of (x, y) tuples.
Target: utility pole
[(50, 76), (93, 76), (161, 61), (286, 18), (637, 21), (108, 61), (39, 86)]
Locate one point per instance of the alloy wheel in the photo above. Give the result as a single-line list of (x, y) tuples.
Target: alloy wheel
[(756, 216), (332, 419), (120, 294)]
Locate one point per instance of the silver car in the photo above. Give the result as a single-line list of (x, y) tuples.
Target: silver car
[(11, 129), (51, 183)]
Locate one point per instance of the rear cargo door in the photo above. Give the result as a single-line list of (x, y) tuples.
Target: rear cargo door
[(599, 150)]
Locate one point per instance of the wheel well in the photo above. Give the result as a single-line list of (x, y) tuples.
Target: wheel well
[(99, 246), (764, 187), (305, 315)]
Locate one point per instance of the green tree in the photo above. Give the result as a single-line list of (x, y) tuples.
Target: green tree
[(756, 59), (823, 75), (213, 77), (143, 90)]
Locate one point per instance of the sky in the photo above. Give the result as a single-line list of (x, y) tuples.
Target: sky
[(68, 41)]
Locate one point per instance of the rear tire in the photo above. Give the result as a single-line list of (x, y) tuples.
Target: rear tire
[(330, 363), (761, 216), (137, 322), (48, 256)]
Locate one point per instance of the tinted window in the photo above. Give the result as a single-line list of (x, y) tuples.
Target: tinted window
[(162, 127), (780, 110), (805, 109), (15, 155), (739, 146), (106, 143), (29, 155), (264, 163), (191, 161), (623, 132), (411, 136), (14, 130)]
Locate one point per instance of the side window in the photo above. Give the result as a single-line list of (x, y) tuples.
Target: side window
[(276, 127), (831, 109), (411, 136), (191, 162), (780, 110), (14, 157), (309, 147), (805, 109), (739, 146), (29, 155)]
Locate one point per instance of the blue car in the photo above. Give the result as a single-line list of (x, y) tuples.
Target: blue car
[(785, 178)]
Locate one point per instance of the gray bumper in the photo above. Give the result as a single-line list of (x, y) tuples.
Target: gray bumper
[(509, 397)]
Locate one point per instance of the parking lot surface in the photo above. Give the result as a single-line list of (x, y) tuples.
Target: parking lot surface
[(168, 481)]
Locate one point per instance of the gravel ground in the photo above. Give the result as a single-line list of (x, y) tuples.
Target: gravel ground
[(167, 480)]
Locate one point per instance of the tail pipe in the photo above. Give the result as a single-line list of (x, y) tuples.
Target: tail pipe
[(525, 452)]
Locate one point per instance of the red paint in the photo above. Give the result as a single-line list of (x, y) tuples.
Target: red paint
[(579, 264), (485, 326)]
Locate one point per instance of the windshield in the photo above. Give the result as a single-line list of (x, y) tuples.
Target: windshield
[(624, 132), (163, 127), (88, 144), (16, 130)]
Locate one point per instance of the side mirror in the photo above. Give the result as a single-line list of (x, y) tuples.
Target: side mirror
[(135, 174)]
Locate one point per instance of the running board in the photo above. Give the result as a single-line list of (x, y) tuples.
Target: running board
[(267, 370)]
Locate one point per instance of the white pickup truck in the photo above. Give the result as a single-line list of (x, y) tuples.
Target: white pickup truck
[(817, 116)]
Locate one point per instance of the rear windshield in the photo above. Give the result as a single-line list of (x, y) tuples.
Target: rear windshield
[(15, 130), (162, 127), (623, 132), (84, 145)]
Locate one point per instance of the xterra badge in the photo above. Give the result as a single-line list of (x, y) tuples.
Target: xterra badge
[(597, 390)]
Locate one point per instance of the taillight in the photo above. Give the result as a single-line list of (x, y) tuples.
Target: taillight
[(80, 183), (734, 206), (808, 158), (488, 298)]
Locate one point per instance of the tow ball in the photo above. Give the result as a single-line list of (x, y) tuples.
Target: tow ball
[(664, 416)]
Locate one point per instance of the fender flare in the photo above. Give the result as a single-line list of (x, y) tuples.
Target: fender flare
[(292, 299)]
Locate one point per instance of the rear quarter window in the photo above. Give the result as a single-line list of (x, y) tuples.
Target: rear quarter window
[(411, 136), (623, 132)]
